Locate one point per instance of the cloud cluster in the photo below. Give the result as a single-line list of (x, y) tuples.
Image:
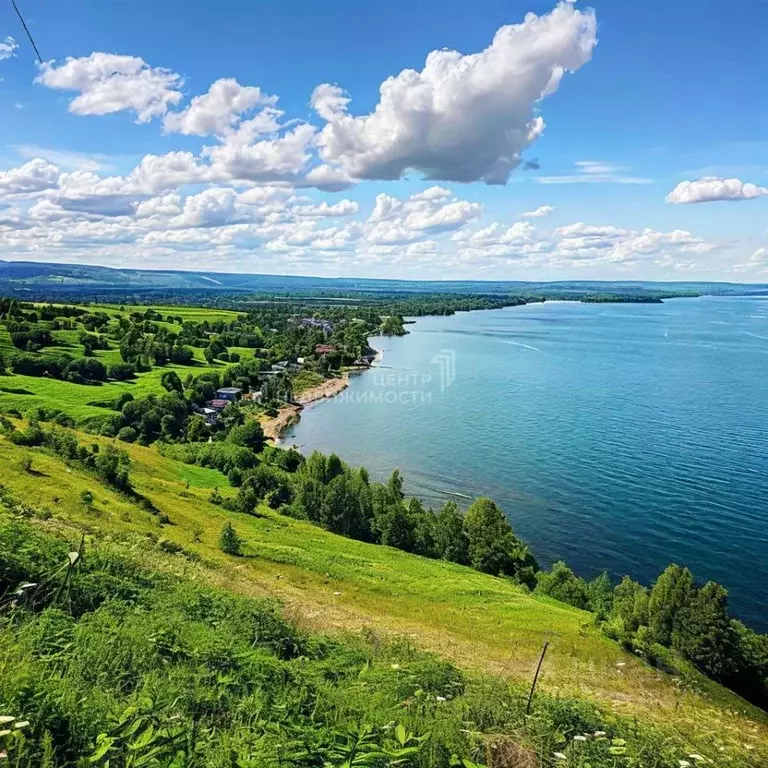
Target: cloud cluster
[(243, 192), (107, 83), (711, 189), (462, 117), (8, 48), (216, 112)]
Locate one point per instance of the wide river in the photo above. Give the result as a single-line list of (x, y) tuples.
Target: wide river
[(617, 437)]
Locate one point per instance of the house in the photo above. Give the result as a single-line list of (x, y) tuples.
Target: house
[(324, 349), (210, 415), (229, 393), (218, 404)]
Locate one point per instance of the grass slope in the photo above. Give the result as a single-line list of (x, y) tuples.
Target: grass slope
[(81, 401), (331, 583)]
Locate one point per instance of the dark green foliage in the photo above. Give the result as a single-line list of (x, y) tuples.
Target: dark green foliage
[(229, 541), (563, 584), (600, 595), (248, 435), (630, 604), (171, 382), (451, 542), (121, 371), (672, 592), (111, 465), (493, 546), (127, 435), (703, 631)]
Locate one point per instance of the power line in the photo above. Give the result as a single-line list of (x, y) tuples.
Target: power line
[(26, 29)]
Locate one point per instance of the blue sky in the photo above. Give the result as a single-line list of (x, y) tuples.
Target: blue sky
[(653, 162)]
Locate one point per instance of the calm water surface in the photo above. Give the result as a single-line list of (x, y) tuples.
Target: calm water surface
[(615, 437)]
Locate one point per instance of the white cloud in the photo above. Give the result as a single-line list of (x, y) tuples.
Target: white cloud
[(32, 177), (595, 172), (329, 101), (8, 48), (432, 211), (280, 159), (342, 208), (542, 210), (462, 118), (710, 189), (109, 83), (216, 112)]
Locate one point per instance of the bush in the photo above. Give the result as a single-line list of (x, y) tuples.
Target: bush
[(121, 371), (127, 435)]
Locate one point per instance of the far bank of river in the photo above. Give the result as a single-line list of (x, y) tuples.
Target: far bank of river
[(615, 436)]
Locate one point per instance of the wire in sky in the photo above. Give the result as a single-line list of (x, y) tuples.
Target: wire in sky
[(26, 29)]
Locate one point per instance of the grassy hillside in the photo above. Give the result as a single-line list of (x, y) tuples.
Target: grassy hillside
[(331, 584), (82, 402)]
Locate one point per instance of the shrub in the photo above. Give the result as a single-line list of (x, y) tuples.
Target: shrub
[(127, 435), (229, 541)]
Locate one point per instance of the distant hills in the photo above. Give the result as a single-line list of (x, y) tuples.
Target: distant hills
[(37, 279)]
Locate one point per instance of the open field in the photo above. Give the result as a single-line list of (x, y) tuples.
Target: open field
[(80, 401), (331, 583)]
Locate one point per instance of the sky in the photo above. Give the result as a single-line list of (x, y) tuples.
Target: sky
[(427, 139)]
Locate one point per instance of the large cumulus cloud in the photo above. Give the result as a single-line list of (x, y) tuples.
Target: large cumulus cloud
[(463, 117)]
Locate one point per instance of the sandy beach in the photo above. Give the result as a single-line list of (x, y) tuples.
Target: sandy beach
[(289, 414)]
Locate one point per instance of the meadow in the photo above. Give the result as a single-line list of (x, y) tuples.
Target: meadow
[(333, 585)]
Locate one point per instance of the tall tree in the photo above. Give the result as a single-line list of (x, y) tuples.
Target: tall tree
[(672, 592), (703, 632), (493, 546), (450, 539)]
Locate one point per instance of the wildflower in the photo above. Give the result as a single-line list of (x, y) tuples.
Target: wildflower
[(579, 738), (598, 734), (560, 756), (441, 698), (22, 724), (696, 757), (683, 763)]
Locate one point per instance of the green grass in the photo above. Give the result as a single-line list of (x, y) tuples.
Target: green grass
[(331, 583)]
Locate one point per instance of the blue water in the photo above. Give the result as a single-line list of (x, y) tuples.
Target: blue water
[(617, 437)]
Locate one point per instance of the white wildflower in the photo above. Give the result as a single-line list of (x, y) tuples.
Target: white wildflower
[(579, 738), (441, 698), (683, 763), (598, 734), (22, 724), (560, 756)]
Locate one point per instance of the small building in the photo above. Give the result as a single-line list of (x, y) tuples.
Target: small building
[(324, 349), (229, 393), (219, 404)]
